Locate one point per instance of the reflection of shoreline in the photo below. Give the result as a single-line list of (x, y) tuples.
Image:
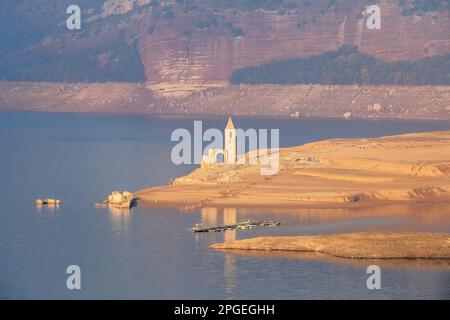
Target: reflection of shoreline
[(389, 217), (399, 208), (362, 263), (120, 218), (52, 208)]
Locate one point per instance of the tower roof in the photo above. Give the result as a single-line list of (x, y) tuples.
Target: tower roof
[(230, 124)]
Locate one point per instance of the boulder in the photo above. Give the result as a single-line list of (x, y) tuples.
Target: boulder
[(376, 107), (115, 197)]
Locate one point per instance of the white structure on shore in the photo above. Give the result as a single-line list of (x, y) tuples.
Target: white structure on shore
[(230, 143), (229, 152)]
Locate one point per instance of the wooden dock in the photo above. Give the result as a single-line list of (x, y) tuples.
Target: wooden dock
[(249, 224)]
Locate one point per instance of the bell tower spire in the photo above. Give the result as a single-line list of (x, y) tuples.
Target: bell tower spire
[(230, 143)]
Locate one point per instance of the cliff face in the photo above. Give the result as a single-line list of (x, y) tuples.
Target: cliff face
[(200, 42), (176, 47), (211, 54)]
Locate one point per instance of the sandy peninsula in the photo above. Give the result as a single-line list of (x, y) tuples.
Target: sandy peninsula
[(330, 173), (372, 245)]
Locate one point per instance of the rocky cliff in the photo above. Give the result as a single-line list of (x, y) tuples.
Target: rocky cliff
[(211, 52), (200, 42), (155, 55)]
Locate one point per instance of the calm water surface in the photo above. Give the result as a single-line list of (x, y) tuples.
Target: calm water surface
[(148, 253)]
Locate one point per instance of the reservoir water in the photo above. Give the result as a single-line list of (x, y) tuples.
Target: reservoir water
[(149, 253)]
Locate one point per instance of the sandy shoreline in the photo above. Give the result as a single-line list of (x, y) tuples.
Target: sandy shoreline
[(193, 205), (371, 245), (330, 174), (439, 264)]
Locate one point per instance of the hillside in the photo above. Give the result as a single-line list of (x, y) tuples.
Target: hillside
[(348, 66), (201, 42)]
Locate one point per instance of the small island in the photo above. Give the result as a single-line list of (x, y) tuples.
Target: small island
[(330, 173), (371, 245)]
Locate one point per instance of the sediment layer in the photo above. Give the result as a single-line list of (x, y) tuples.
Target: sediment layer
[(364, 102)]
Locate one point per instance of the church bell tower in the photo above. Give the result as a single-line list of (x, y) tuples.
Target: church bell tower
[(230, 143)]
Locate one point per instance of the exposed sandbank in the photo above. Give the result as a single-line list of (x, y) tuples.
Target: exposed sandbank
[(331, 173), (371, 245), (359, 263)]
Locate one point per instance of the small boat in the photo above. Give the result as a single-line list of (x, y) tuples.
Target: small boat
[(246, 226), (270, 224), (48, 202), (199, 227)]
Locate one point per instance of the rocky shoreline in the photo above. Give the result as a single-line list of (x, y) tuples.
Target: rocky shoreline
[(306, 101)]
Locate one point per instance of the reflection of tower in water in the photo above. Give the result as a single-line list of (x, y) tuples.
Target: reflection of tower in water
[(229, 217), (209, 216)]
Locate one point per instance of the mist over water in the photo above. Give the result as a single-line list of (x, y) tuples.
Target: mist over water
[(149, 253)]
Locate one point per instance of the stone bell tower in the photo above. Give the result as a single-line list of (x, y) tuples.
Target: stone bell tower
[(230, 143)]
